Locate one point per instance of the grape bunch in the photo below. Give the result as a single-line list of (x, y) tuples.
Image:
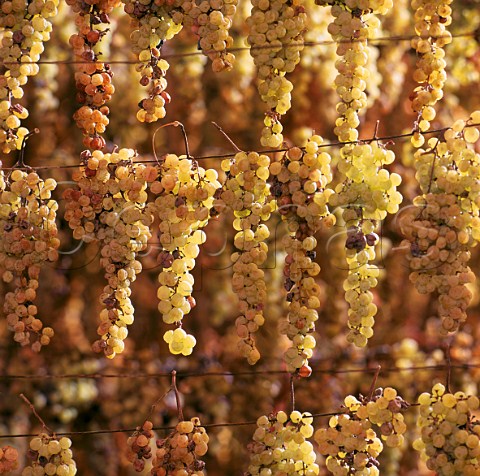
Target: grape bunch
[(8, 459), (211, 21), (449, 441), (280, 446), (431, 20), (93, 78), (351, 444), (185, 196), (246, 192), (444, 223), (154, 23), (139, 449), (366, 195), (29, 231), (180, 452), (26, 26), (276, 36), (109, 206), (50, 456), (299, 187)]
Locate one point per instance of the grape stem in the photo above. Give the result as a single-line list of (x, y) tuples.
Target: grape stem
[(374, 382), (292, 393), (20, 163), (39, 418), (449, 366), (174, 124), (177, 395), (235, 146)]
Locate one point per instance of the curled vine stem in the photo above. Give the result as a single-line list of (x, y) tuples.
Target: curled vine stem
[(235, 146), (177, 395), (37, 416), (20, 163)]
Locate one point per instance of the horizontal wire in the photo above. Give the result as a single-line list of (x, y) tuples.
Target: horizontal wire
[(163, 428), (379, 40), (269, 151), (233, 374)]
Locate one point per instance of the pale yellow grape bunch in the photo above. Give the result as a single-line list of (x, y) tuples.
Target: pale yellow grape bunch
[(449, 441), (109, 206), (185, 196), (211, 21), (350, 444), (154, 22), (431, 19), (354, 21), (25, 29), (299, 186), (445, 222), (366, 195), (181, 451), (281, 446), (29, 230), (276, 37), (245, 193), (50, 456)]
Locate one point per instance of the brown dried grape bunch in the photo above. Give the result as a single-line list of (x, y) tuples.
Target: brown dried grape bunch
[(139, 449), (29, 230), (93, 78), (180, 452), (8, 459), (50, 456)]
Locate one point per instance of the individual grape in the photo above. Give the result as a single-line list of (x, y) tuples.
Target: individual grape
[(50, 456)]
